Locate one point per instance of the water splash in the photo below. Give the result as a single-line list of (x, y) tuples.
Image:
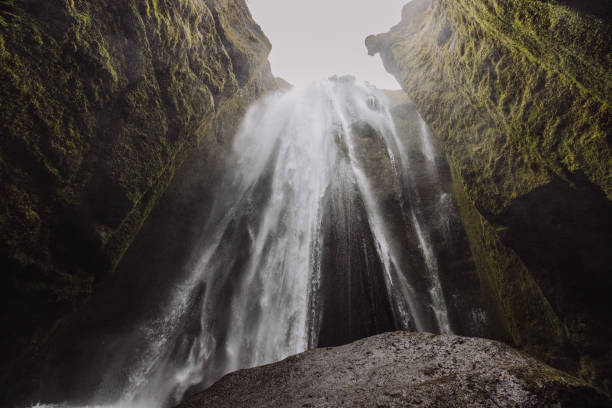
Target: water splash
[(250, 297), (426, 143)]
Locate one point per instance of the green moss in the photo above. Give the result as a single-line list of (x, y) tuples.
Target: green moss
[(59, 90), (526, 314), (512, 83), (154, 6), (96, 118), (519, 93)]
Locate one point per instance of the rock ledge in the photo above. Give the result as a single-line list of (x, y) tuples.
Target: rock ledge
[(403, 369)]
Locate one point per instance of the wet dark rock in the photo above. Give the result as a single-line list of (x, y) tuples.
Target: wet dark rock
[(518, 93), (403, 370), (102, 103)]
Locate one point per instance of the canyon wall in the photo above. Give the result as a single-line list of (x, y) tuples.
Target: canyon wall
[(519, 94), (102, 101)]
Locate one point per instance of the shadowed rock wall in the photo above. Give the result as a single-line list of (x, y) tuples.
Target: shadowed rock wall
[(102, 101), (519, 94)]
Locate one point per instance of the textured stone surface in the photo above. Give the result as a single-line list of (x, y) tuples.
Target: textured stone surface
[(403, 370), (101, 103), (519, 94)]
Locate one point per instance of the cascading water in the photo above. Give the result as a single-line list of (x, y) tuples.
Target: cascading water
[(303, 160)]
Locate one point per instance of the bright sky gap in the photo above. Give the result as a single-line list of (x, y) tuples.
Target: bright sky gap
[(315, 39)]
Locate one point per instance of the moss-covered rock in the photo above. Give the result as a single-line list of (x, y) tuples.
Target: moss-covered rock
[(519, 93), (101, 102)]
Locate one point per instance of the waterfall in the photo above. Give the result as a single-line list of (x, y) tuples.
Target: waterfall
[(305, 162)]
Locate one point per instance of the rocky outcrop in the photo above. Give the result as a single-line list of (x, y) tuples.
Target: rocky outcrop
[(102, 101), (403, 370), (519, 94)]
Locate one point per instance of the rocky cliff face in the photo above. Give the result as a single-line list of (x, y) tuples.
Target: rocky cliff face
[(102, 101), (471, 312), (519, 93), (403, 370)]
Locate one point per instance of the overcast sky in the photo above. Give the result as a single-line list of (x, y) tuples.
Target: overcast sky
[(314, 39)]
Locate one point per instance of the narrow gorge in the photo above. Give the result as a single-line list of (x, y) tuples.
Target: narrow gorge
[(181, 228)]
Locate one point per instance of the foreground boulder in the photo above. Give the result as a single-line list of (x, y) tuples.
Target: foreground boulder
[(403, 369)]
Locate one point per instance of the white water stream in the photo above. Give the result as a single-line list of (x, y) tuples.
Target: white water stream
[(247, 300)]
